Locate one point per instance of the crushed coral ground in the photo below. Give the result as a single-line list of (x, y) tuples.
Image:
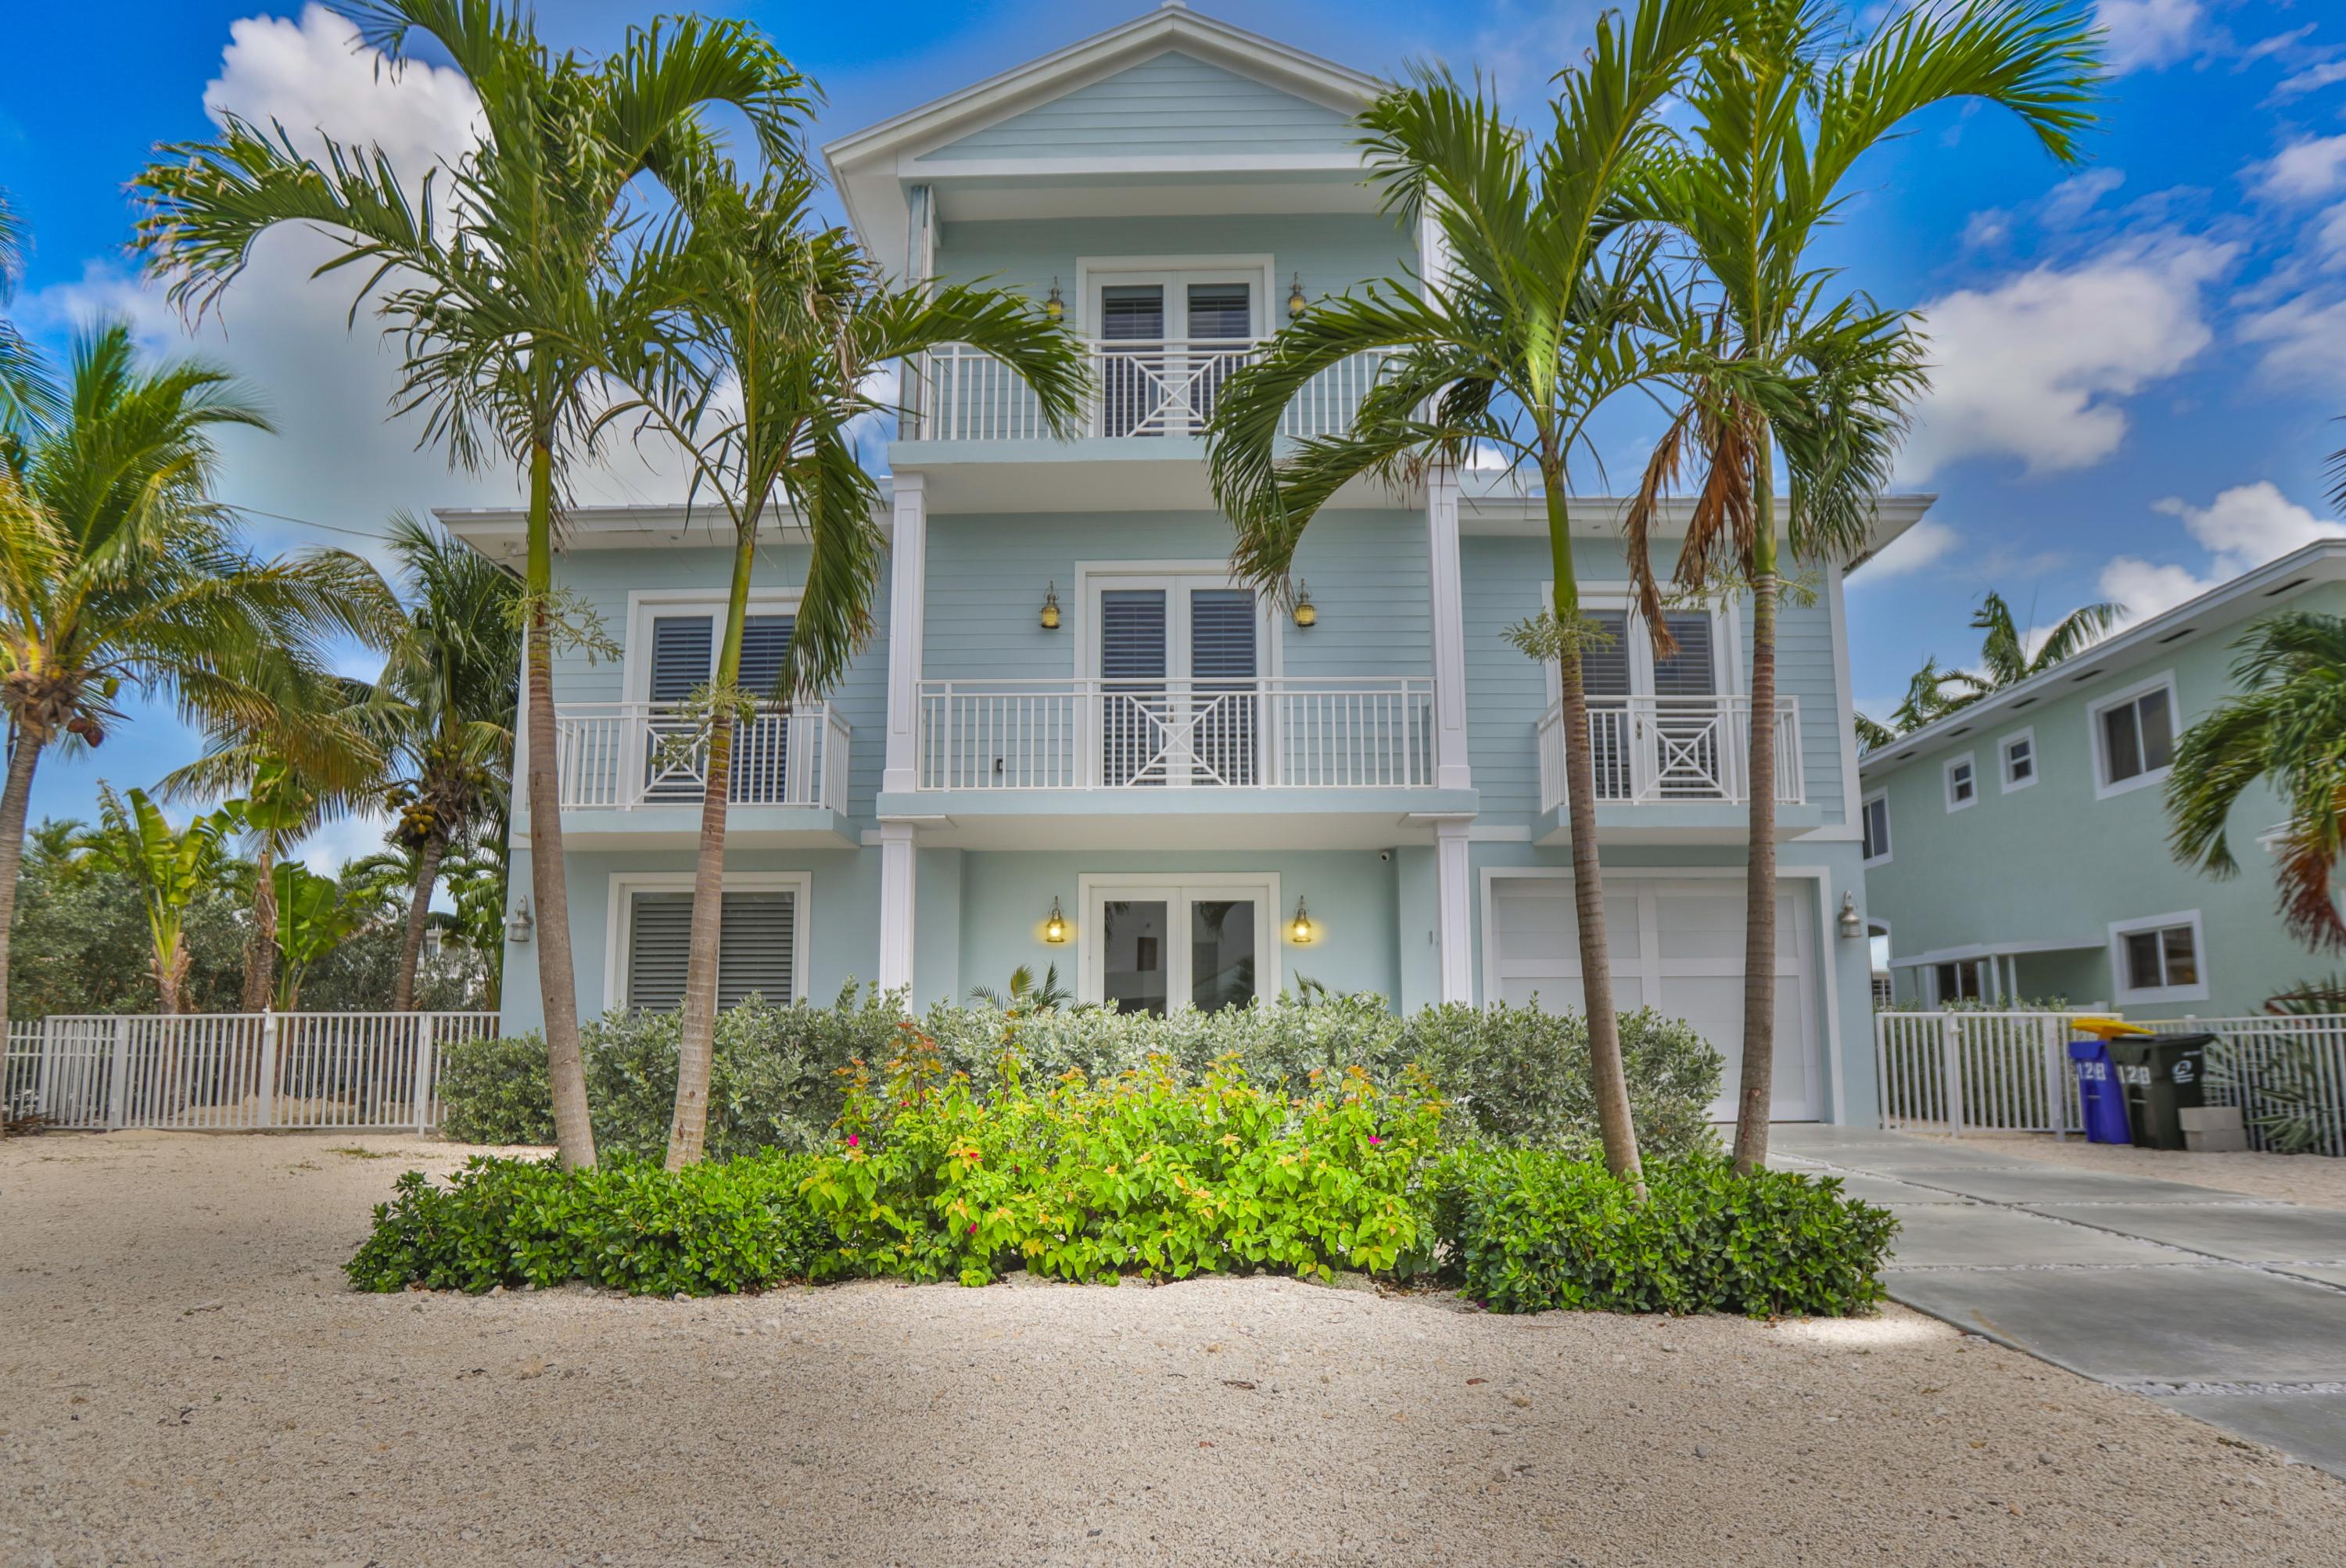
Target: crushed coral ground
[(184, 1378)]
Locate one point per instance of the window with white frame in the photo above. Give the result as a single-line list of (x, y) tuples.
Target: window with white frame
[(673, 642), (1965, 979), (2158, 959), (2134, 736), (2018, 753), (1170, 334), (1962, 782), (1179, 657), (1875, 817), (1877, 947), (1154, 944), (1650, 712), (761, 943)]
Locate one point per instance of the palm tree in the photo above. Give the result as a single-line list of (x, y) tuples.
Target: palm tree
[(1534, 321), (2005, 661), (118, 568), (27, 398), (445, 705), (1783, 108), (171, 867), (500, 283), (2288, 728), (796, 319), (317, 915)]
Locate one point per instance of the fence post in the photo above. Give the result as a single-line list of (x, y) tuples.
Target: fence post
[(44, 1067), (2057, 1087), (269, 1043), (427, 1059), (117, 1082), (1952, 1068)]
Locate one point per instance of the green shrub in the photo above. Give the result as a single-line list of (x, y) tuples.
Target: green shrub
[(1152, 1171), (494, 1091), (1529, 1230), (625, 1225), (1514, 1074)]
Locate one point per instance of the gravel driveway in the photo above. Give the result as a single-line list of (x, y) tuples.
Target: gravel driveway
[(183, 1378)]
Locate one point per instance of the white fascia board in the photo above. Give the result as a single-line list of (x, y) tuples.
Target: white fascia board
[(1508, 508), (2249, 594), (495, 530)]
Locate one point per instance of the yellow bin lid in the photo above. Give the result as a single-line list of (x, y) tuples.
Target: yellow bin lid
[(2106, 1028)]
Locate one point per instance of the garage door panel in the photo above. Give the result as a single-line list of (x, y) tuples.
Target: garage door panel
[(1677, 946)]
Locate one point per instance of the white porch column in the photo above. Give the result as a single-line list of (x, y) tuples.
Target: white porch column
[(1452, 895), (898, 887), (1449, 628), (908, 557)]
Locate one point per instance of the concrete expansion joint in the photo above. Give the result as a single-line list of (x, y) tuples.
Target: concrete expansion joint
[(2238, 1390)]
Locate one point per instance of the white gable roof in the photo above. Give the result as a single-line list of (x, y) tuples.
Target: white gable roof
[(1198, 95)]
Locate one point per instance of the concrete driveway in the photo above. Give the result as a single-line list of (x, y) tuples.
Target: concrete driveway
[(2225, 1307)]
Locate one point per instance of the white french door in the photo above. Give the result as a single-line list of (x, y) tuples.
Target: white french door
[(1167, 341), (1178, 661), (1151, 944), (681, 658)]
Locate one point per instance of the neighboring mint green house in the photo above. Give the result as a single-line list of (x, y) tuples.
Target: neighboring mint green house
[(2018, 848), (1072, 724)]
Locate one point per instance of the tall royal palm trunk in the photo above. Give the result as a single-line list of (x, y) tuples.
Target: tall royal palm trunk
[(697, 1041), (419, 914), (16, 796), (1756, 1076), (573, 1132), (1607, 1082), (260, 942)]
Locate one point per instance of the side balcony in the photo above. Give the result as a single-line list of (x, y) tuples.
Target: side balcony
[(1242, 764), (632, 775), (1673, 769)]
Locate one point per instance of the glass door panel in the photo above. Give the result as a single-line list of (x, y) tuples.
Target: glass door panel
[(1133, 665), (682, 650), (1132, 359), (1133, 955), (1688, 734), (1222, 953), (762, 763), (1224, 723)]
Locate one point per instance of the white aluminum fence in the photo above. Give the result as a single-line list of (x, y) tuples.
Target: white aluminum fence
[(2009, 1071), (235, 1072)]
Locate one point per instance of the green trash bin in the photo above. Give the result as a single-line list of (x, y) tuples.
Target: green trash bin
[(2163, 1076)]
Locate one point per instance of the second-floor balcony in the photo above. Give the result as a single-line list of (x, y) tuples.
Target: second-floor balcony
[(1151, 737), (1141, 390), (1663, 752), (650, 761)]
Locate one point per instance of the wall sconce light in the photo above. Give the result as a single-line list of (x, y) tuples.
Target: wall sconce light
[(1055, 307), (1049, 619), (1301, 930), (1852, 924), (1296, 303), (1056, 928), (518, 925), (1306, 615)]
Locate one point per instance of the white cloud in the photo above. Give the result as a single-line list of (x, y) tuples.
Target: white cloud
[(1921, 546), (2035, 368), (2071, 199), (2241, 529), (2147, 33), (313, 76), (2301, 336), (2305, 170), (2311, 79)]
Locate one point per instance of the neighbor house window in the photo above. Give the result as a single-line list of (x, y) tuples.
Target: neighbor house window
[(2134, 736), (2158, 959), (1875, 815), (2019, 753), (1962, 782), (1965, 979), (1877, 944)]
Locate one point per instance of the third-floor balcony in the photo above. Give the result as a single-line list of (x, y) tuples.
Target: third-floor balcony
[(1141, 390)]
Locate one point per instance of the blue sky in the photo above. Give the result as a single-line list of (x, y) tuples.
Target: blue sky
[(2138, 358)]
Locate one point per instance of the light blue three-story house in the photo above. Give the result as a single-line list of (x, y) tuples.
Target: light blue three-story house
[(1077, 741)]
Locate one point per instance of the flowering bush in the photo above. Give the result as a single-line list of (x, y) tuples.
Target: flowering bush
[(1151, 1171)]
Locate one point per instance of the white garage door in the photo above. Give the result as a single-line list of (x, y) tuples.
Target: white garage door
[(1678, 947)]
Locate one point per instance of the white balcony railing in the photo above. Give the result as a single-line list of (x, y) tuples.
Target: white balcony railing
[(620, 755), (1275, 733), (1148, 389), (1655, 750)]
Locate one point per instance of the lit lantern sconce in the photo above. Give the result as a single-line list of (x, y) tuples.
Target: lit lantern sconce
[(518, 925), (1049, 619), (1296, 303), (1054, 930), (1055, 307), (1307, 615), (1301, 931), (1852, 924)]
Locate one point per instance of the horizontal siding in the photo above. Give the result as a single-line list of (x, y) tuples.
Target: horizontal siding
[(1329, 252), (1165, 107)]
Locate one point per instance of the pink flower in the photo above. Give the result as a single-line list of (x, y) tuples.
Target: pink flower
[(1375, 1139), (972, 1228), (853, 1141)]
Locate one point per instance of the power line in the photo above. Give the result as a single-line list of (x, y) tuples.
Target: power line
[(304, 522)]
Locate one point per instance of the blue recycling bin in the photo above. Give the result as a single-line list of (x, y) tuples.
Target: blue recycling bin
[(2099, 1093)]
